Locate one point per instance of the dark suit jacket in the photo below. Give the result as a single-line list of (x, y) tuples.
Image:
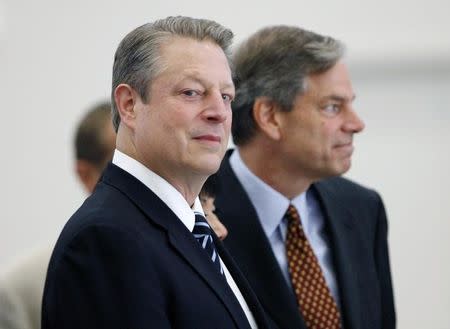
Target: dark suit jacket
[(357, 229), (124, 260)]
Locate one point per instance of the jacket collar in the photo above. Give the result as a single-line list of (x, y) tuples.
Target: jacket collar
[(345, 241)]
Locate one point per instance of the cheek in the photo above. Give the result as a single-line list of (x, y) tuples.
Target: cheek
[(314, 139), (325, 131), (227, 126), (175, 124)]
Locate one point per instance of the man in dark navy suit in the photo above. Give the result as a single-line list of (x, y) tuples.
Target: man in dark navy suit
[(138, 253), (313, 245)]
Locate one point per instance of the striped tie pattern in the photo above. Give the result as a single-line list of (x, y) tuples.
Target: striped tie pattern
[(202, 233), (314, 298)]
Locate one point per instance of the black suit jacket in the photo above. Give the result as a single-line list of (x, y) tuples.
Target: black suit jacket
[(357, 229), (124, 260)]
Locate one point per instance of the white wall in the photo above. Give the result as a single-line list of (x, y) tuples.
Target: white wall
[(56, 58), (404, 154)]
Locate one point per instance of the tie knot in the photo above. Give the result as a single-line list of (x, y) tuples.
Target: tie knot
[(201, 226), (292, 214), (199, 218)]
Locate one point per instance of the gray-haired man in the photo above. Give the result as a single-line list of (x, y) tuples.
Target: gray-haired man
[(312, 245), (138, 253)]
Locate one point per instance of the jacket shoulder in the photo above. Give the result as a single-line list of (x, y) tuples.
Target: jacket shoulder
[(347, 190)]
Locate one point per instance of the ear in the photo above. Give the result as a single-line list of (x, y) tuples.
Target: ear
[(126, 98), (88, 174), (265, 113)]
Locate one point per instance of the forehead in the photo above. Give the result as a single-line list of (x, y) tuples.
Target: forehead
[(333, 82), (187, 56)]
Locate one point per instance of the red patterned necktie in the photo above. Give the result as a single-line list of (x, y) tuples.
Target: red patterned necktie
[(314, 298)]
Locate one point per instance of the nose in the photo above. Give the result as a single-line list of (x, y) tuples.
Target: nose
[(353, 123), (217, 109)]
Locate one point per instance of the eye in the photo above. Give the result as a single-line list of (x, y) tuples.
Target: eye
[(190, 92), (331, 109), (227, 98)]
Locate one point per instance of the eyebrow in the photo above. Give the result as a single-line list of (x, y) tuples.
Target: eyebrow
[(338, 98), (194, 77)]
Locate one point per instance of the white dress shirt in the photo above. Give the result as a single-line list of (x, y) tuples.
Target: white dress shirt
[(271, 207), (178, 204)]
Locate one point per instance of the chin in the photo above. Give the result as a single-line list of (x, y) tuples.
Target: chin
[(209, 166), (334, 170), (343, 168)]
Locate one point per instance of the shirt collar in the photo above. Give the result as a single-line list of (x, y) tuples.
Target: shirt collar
[(270, 205), (162, 188)]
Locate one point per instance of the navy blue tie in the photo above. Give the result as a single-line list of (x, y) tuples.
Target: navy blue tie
[(202, 233)]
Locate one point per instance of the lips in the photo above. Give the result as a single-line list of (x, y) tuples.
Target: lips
[(344, 144), (209, 138), (347, 148)]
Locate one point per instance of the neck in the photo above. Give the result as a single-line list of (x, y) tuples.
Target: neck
[(188, 189), (264, 161)]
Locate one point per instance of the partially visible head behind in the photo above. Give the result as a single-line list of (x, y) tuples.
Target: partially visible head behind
[(274, 63), (94, 144), (137, 61), (207, 196), (211, 187)]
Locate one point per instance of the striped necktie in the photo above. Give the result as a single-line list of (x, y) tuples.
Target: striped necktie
[(202, 233)]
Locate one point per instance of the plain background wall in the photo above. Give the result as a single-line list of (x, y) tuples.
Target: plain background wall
[(56, 59)]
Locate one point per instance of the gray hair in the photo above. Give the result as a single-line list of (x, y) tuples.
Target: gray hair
[(137, 60), (275, 62)]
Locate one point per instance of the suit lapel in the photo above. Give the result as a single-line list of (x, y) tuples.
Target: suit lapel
[(244, 287), (183, 242), (179, 237), (344, 245), (252, 252)]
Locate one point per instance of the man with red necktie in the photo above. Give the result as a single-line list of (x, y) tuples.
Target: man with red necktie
[(313, 245)]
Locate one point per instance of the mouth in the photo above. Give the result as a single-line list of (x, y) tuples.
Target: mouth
[(209, 138), (345, 148)]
